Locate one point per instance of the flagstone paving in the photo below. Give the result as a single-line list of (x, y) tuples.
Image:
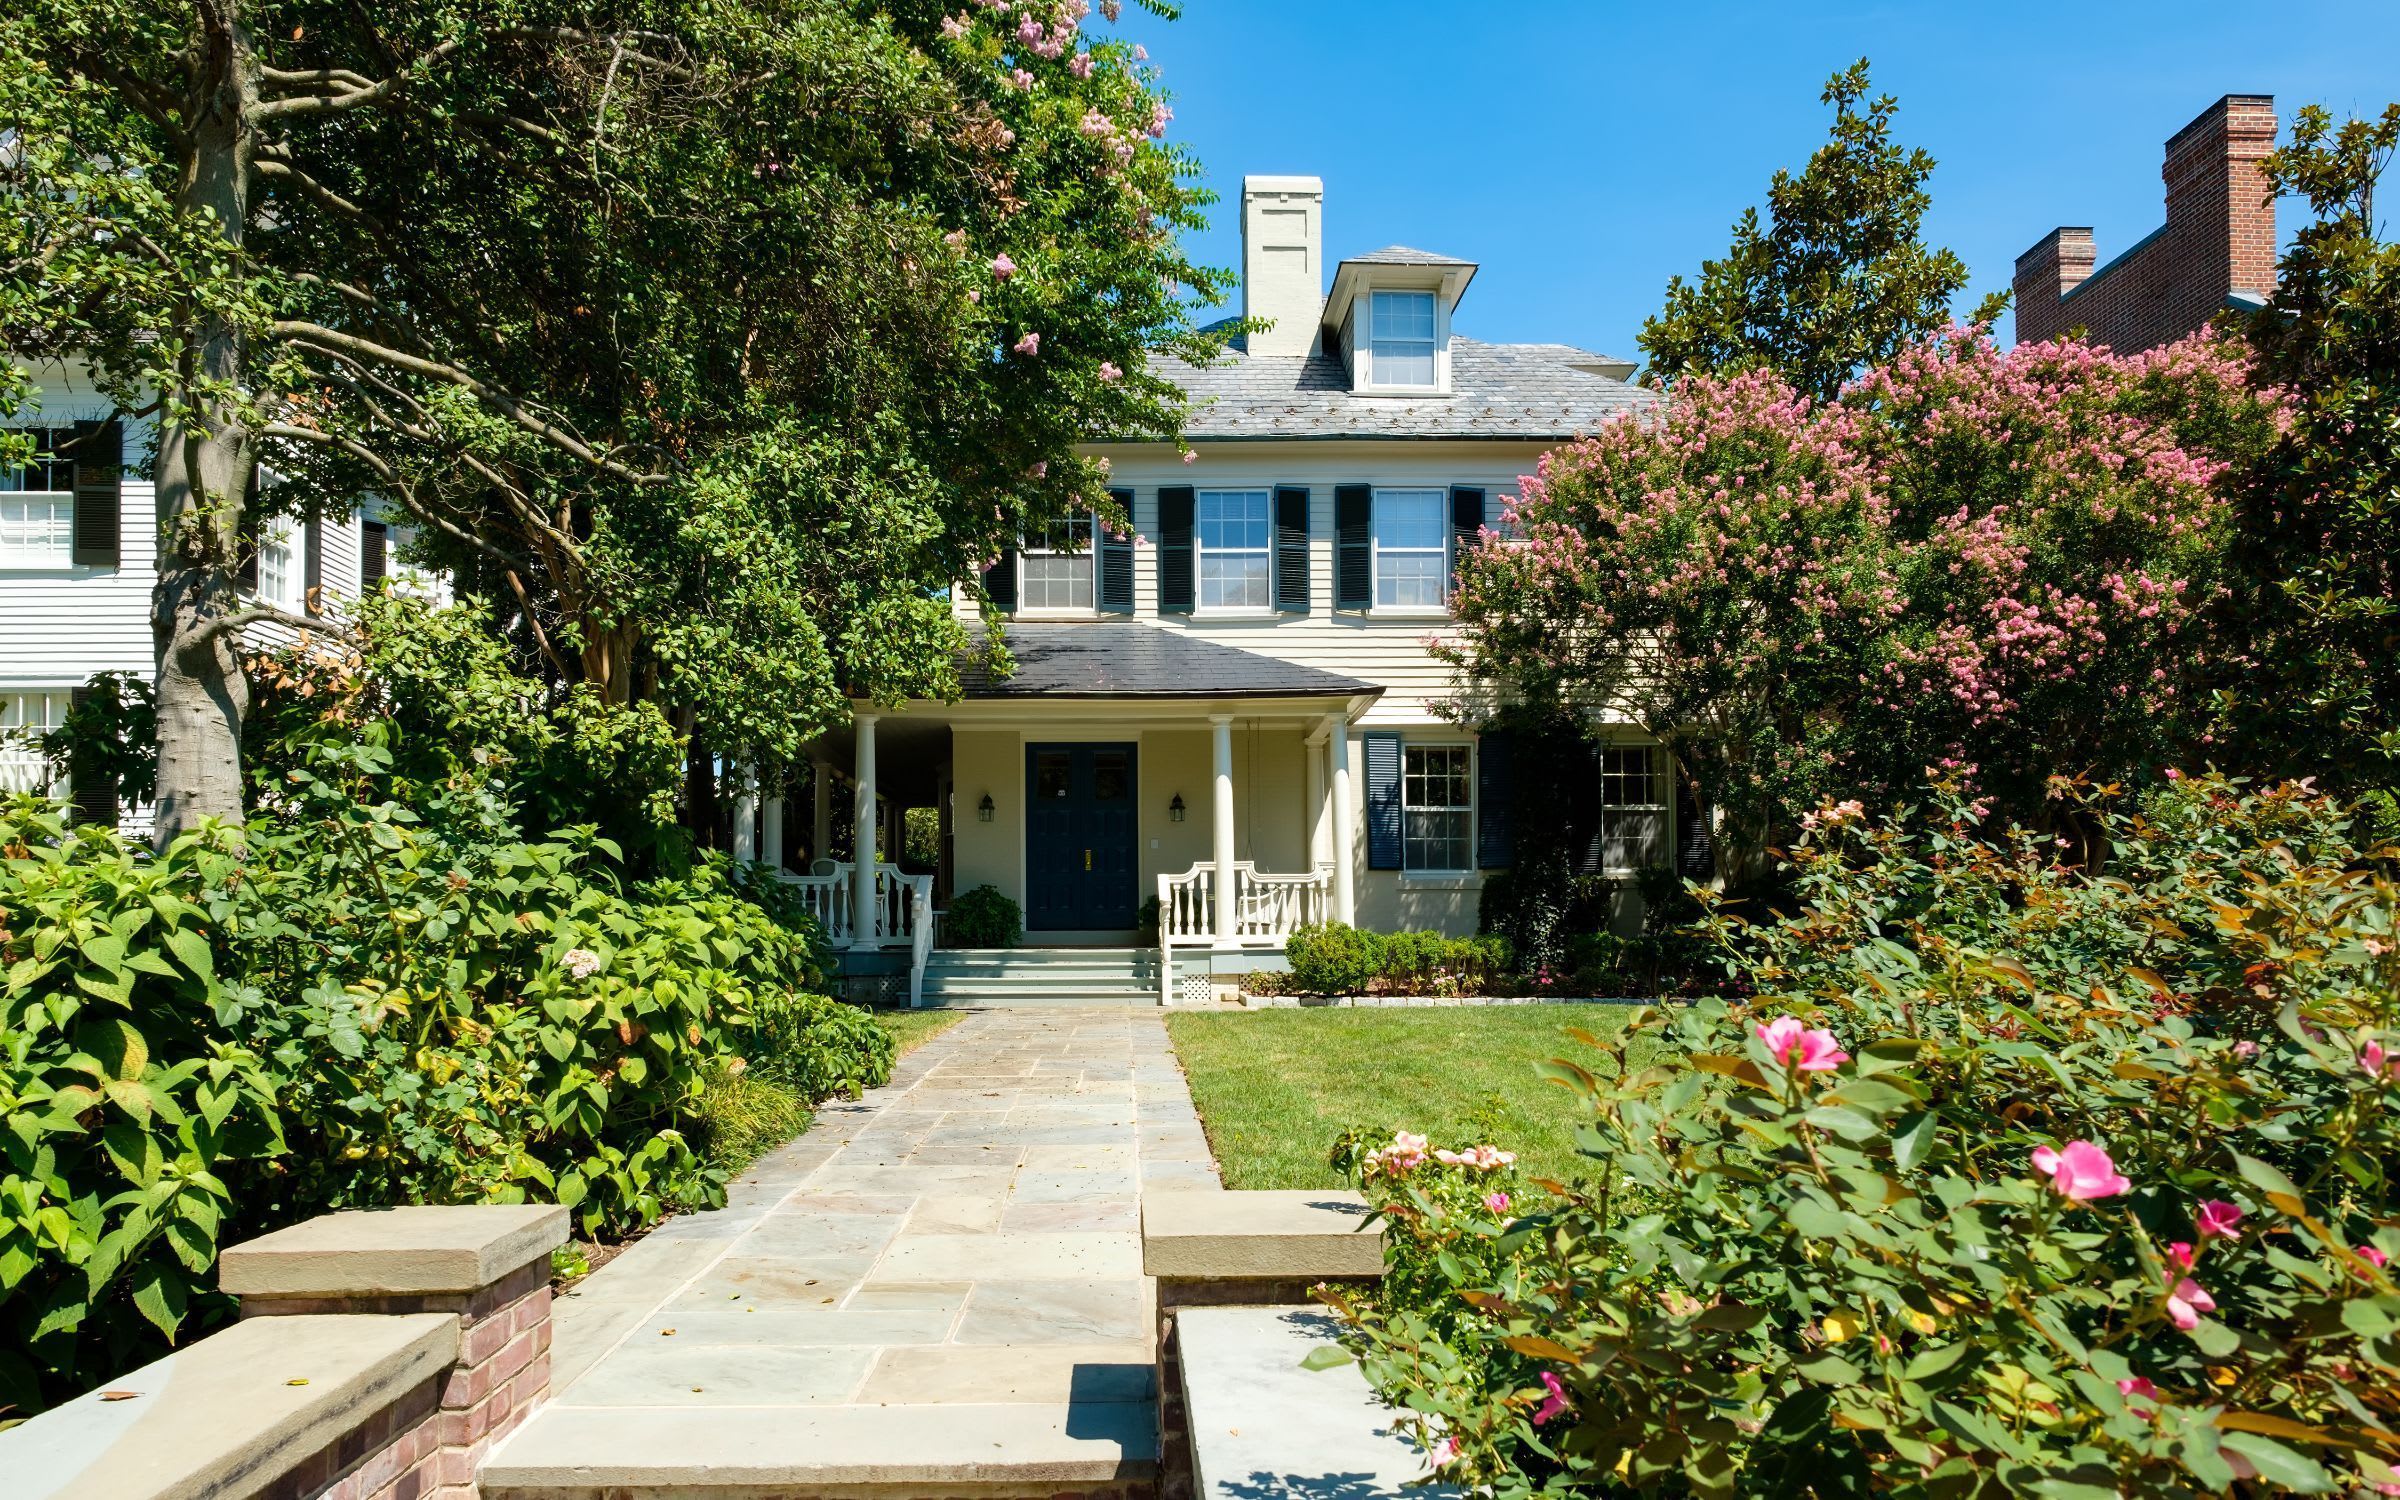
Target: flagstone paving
[(939, 1284)]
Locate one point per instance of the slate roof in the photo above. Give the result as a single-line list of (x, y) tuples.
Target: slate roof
[(1125, 659), (1497, 391), (1402, 255)]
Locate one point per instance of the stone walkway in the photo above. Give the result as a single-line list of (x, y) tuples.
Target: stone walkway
[(940, 1284)]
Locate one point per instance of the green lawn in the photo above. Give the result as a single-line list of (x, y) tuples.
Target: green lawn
[(1275, 1087), (912, 1029)]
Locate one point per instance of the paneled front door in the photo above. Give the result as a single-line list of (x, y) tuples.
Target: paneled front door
[(1079, 838)]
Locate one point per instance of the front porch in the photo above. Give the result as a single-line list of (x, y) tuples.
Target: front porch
[(1127, 788)]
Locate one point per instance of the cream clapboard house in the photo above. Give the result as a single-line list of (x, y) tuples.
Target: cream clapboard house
[(78, 559), (1233, 710)]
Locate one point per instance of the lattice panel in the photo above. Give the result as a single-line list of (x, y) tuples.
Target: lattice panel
[(1195, 989)]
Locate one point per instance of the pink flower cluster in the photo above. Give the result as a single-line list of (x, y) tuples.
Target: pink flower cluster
[(1409, 1151), (1799, 1048)]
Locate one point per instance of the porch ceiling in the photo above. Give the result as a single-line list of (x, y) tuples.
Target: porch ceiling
[(1124, 659)]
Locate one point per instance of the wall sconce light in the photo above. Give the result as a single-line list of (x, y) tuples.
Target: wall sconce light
[(983, 809), (1175, 809)]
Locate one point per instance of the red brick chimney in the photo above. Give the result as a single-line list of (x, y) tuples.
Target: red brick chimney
[(2218, 241)]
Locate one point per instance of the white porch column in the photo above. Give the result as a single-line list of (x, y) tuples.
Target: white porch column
[(745, 816), (820, 793), (770, 831), (1316, 751), (862, 848), (1220, 731), (1345, 890)]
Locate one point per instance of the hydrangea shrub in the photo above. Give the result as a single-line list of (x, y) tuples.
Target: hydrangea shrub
[(2010, 1180)]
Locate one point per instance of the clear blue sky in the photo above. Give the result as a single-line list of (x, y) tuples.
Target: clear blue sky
[(1583, 153)]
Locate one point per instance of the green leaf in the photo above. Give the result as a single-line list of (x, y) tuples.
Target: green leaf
[(1913, 1139), (2278, 1465), (1327, 1357), (160, 1297)]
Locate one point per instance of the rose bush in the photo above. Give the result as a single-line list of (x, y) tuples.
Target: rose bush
[(2011, 1180)]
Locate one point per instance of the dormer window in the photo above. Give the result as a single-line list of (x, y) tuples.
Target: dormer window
[(1056, 568), (1401, 339)]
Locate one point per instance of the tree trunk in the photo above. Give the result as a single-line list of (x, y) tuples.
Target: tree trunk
[(205, 464)]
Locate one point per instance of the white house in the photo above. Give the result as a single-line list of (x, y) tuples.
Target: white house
[(79, 555), (1233, 710)]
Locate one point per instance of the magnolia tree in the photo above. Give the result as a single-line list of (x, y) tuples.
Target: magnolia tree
[(710, 340), (1994, 564)]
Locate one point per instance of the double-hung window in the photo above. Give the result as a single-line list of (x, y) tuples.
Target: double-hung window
[(1437, 808), (1412, 549), (279, 565), (1235, 535), (1055, 569), (26, 715), (1633, 810), (1400, 338), (37, 509)]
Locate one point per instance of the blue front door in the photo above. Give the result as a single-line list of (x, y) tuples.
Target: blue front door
[(1079, 837)]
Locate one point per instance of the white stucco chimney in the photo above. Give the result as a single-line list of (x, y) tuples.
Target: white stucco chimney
[(1283, 260)]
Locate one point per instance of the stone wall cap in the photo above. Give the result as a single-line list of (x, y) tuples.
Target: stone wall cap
[(1216, 1235), (384, 1252), (231, 1414)]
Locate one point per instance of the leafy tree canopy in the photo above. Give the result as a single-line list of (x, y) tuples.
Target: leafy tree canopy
[(711, 340), (1840, 278), (2320, 540)]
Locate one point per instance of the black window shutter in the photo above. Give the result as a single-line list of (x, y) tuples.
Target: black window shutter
[(1695, 841), (1495, 779), (1466, 520), (1116, 560), (1354, 546), (1383, 802), (312, 567), (95, 798), (1175, 506), (1291, 549), (374, 537), (1589, 799), (99, 494), (1000, 582)]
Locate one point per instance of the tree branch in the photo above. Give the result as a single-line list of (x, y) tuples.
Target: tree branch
[(334, 341), (256, 614), (396, 486), (280, 169)]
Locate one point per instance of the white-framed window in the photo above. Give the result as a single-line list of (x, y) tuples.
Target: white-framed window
[(1055, 568), (1633, 812), (279, 563), (26, 715), (1412, 549), (1437, 809), (1400, 338), (1235, 532), (37, 510)]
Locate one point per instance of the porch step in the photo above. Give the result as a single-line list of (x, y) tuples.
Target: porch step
[(1041, 976)]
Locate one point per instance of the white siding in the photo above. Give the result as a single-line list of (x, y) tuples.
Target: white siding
[(1387, 650), (58, 626)]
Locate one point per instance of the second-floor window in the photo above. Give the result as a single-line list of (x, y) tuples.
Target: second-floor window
[(1055, 568), (279, 563), (1400, 337), (1412, 558), (37, 511), (1236, 549)]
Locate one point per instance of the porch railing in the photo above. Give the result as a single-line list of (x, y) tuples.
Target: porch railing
[(1267, 908), (900, 914)]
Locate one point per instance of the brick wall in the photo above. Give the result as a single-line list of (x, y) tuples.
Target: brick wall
[(2219, 240), (430, 1444)]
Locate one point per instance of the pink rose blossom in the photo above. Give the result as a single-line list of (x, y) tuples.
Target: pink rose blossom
[(1496, 1202), (1799, 1048), (2373, 1256), (2371, 1057), (1446, 1453), (1002, 267), (2245, 1049), (1553, 1405), (2173, 774), (1030, 344), (2082, 1172), (2180, 1255), (2219, 1220), (2138, 1385), (2187, 1302)]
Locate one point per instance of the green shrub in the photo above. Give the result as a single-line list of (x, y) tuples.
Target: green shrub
[(743, 1116), (127, 1099), (816, 1046), (984, 918), (1332, 959), (1829, 1244)]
